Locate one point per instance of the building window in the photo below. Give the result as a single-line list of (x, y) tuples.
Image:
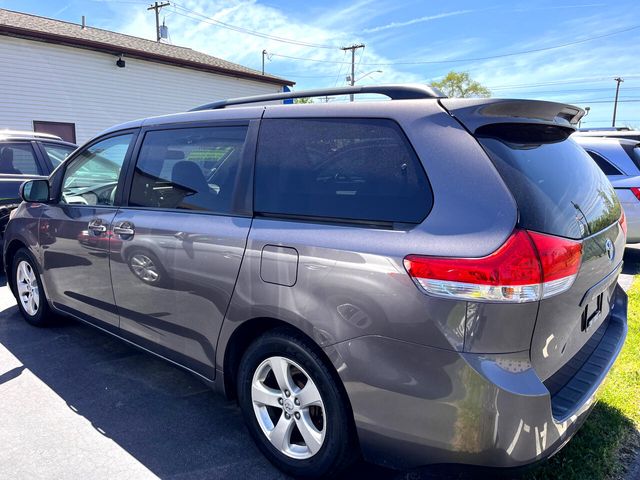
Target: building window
[(66, 131)]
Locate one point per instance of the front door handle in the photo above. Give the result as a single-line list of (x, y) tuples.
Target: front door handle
[(96, 226), (125, 229)]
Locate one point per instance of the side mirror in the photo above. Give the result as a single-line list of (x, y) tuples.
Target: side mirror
[(35, 191)]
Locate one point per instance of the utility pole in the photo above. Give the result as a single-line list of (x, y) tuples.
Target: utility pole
[(157, 6), (615, 103), (264, 52), (353, 49)]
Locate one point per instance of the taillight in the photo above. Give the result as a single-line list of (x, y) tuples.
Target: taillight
[(636, 192), (623, 223), (529, 266)]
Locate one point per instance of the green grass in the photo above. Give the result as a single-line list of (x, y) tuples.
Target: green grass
[(609, 438)]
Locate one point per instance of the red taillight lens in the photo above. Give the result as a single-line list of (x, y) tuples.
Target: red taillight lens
[(636, 192), (623, 223), (527, 267)]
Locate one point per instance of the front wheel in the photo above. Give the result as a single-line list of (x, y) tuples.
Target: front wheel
[(28, 290), (295, 411)]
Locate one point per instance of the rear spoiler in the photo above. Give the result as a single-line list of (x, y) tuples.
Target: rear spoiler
[(474, 113)]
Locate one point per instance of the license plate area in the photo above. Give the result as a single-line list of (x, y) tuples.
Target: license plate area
[(592, 312)]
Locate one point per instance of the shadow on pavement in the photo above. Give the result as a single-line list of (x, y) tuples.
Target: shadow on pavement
[(166, 418)]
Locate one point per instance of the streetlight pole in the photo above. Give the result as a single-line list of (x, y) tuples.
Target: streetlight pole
[(264, 52), (615, 103), (586, 112)]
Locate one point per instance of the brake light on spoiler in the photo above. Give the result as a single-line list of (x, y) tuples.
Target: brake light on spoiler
[(529, 266)]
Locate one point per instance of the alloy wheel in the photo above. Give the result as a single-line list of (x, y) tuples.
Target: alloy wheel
[(27, 285), (288, 407)]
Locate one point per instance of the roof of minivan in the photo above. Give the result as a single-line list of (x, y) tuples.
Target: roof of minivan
[(472, 112)]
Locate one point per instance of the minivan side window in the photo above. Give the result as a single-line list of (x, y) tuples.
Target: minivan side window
[(92, 176), (188, 169), (343, 169), (604, 164), (18, 159)]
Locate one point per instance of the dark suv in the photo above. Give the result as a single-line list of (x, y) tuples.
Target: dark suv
[(423, 280), (23, 156)]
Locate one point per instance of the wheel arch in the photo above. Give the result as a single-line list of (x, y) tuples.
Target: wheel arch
[(10, 252)]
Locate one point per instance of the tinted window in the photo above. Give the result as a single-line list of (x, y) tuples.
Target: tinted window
[(558, 188), (633, 150), (604, 165), (188, 168), (57, 153), (18, 159), (92, 176), (348, 169)]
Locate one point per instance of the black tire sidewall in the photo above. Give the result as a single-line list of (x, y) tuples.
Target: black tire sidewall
[(41, 318), (338, 447)]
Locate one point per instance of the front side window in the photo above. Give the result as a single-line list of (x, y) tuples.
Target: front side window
[(361, 170), (188, 169), (92, 176), (57, 153), (18, 159)]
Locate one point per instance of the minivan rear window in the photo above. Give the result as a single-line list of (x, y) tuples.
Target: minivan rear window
[(557, 186), (361, 170)]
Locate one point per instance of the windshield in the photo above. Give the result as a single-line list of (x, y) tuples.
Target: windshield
[(57, 153)]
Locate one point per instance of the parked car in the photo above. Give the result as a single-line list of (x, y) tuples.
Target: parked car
[(620, 133), (23, 156), (423, 280), (619, 159)]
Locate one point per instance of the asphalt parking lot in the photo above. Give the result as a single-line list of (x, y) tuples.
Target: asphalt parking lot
[(76, 403)]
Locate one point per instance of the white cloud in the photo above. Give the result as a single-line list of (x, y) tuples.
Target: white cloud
[(413, 21)]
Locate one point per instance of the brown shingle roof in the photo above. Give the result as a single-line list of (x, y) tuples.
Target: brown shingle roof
[(56, 31)]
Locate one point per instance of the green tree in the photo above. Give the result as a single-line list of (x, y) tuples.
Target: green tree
[(303, 100), (459, 84)]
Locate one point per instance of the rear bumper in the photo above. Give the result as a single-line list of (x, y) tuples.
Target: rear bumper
[(416, 405)]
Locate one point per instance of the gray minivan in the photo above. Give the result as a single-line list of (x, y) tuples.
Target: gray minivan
[(422, 280)]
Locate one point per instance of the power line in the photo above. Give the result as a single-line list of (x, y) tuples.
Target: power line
[(489, 57), (207, 19)]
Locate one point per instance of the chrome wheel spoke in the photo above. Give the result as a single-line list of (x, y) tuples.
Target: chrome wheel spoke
[(280, 367), (280, 436), (312, 437), (265, 396), (309, 395)]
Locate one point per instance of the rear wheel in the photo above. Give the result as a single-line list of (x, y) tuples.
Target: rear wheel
[(28, 289), (294, 410)]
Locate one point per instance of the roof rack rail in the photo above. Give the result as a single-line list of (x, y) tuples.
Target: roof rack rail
[(394, 92)]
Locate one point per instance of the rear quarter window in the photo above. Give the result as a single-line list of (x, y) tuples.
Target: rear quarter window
[(361, 170)]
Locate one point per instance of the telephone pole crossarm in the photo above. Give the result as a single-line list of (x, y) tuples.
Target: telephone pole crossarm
[(353, 49), (157, 7)]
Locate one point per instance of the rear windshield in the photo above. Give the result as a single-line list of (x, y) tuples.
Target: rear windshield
[(558, 187)]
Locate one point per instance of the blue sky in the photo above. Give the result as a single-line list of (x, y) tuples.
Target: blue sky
[(409, 41)]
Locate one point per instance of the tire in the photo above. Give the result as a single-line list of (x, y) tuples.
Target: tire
[(329, 444), (27, 287)]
